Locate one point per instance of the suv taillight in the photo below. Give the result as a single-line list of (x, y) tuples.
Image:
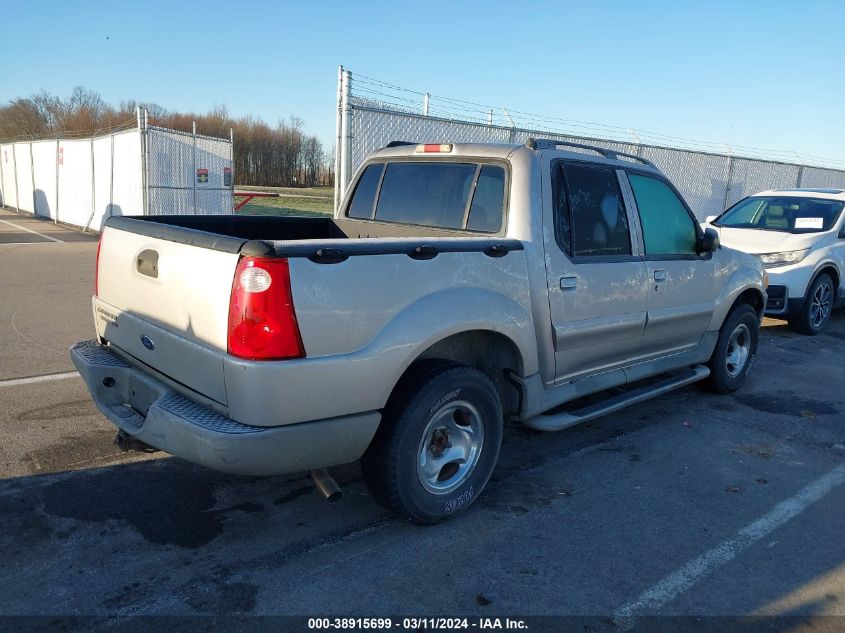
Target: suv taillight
[(262, 321), (97, 266)]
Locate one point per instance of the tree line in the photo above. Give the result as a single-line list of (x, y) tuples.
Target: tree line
[(283, 155)]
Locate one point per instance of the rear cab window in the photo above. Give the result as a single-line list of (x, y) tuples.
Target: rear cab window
[(467, 196)]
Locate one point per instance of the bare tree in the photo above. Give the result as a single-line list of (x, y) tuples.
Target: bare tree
[(280, 156)]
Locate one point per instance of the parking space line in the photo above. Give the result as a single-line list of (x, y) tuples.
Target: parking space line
[(33, 379), (679, 581), (29, 243), (23, 228)]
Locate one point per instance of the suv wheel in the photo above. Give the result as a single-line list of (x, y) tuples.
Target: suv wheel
[(815, 313), (736, 346), (437, 444)]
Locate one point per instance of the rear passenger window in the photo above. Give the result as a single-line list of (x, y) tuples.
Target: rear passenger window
[(590, 215), (668, 228), (488, 202), (365, 193)]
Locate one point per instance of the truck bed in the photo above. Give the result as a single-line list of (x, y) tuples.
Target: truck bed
[(322, 240), (163, 298)]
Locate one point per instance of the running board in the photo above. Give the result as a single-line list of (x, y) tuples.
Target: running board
[(558, 421)]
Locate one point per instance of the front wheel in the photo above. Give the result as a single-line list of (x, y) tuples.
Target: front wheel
[(437, 444), (815, 313), (735, 348)]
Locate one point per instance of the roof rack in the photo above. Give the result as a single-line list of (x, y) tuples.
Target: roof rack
[(547, 143)]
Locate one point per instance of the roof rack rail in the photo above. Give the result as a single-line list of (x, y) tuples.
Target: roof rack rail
[(399, 143), (548, 143)]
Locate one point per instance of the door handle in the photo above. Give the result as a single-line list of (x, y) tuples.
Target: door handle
[(569, 283), (659, 275)]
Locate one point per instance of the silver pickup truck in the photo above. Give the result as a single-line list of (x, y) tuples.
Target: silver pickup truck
[(457, 287)]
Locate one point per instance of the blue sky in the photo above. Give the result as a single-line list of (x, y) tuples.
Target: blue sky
[(761, 74)]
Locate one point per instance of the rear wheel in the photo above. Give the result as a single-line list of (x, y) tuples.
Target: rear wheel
[(735, 348), (437, 444), (815, 313)]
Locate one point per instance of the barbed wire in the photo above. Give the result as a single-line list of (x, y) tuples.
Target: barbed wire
[(392, 96)]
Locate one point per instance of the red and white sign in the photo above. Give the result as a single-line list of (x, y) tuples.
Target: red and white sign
[(61, 156)]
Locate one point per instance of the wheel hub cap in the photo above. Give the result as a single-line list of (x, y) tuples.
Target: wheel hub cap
[(450, 447), (739, 349), (821, 304)]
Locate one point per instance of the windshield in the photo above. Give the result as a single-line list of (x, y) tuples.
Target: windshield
[(790, 214)]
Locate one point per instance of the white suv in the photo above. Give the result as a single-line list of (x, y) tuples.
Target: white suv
[(800, 238)]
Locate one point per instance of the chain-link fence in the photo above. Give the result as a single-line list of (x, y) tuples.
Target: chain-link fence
[(187, 173), (381, 113), (143, 170)]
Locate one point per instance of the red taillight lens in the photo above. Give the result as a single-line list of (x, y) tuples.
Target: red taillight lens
[(97, 266), (262, 321)]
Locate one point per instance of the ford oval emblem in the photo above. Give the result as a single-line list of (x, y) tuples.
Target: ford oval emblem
[(147, 342)]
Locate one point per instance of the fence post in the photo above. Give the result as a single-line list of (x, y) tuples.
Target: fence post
[(15, 170), (111, 177), (232, 167), (2, 181), (194, 162), (425, 104), (728, 183), (142, 166), (32, 178), (337, 127), (346, 134), (800, 176), (147, 160), (93, 188), (56, 220)]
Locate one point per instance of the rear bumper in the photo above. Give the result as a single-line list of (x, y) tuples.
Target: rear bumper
[(147, 409)]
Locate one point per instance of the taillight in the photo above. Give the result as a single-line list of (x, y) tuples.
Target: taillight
[(262, 321), (97, 266)]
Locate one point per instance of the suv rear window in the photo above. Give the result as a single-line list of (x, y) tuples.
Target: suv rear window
[(462, 196)]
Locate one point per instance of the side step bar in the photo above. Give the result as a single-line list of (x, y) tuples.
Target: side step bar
[(558, 421)]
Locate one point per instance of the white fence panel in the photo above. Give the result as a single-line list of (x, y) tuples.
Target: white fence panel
[(7, 156), (103, 178), (127, 197), (23, 160), (46, 191), (82, 182), (75, 184)]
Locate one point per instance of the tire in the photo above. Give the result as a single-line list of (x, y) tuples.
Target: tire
[(439, 408), (735, 349), (815, 313)]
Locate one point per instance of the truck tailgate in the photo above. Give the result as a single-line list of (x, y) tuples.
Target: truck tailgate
[(166, 303)]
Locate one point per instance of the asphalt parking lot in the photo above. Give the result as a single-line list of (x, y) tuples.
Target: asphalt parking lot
[(687, 505)]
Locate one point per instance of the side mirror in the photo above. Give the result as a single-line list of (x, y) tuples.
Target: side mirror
[(709, 242), (710, 218)]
